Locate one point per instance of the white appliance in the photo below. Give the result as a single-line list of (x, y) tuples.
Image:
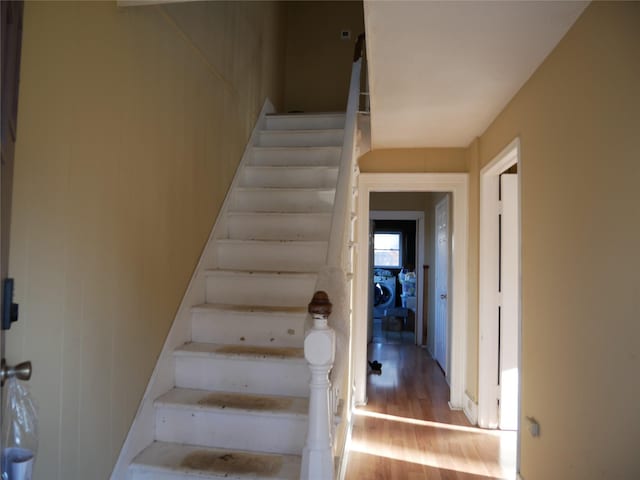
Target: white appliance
[(386, 293)]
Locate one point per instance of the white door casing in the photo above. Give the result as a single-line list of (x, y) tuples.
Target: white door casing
[(442, 283), (458, 185), (509, 294), (488, 349)]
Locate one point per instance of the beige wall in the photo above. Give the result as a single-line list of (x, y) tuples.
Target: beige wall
[(578, 123), (432, 160), (318, 62), (401, 201), (131, 124)]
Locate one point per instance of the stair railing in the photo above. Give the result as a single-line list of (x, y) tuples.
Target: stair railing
[(336, 254), (321, 340)]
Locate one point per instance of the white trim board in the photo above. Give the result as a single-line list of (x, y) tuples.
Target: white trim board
[(343, 462), (418, 217), (458, 185), (488, 416), (488, 297), (470, 409)]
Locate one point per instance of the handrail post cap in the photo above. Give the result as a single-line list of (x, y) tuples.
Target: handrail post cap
[(320, 304)]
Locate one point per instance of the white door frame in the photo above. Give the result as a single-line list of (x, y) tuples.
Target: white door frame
[(488, 416), (458, 185), (418, 217)]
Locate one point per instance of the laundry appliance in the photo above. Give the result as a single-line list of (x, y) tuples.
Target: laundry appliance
[(384, 287)]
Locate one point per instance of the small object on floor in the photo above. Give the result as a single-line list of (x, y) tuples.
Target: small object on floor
[(376, 367)]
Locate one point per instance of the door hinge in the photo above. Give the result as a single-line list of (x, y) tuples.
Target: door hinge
[(499, 299), (499, 207)]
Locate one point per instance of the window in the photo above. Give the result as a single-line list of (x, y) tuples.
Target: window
[(386, 249)]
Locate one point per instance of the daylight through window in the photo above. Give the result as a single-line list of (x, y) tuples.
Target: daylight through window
[(386, 248)]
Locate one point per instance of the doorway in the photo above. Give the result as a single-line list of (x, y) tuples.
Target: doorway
[(500, 295), (400, 317), (457, 184)]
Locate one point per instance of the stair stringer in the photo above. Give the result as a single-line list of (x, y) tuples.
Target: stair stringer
[(142, 430)]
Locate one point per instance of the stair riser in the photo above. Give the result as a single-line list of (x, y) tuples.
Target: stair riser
[(306, 122), (284, 330), (237, 374), (296, 156), (258, 289), (279, 227), (320, 138), (277, 256), (231, 430), (283, 201), (288, 177)]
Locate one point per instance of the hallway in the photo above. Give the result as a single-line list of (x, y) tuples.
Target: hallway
[(407, 431)]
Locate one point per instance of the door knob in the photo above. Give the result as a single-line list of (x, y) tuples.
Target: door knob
[(443, 296), (22, 371)]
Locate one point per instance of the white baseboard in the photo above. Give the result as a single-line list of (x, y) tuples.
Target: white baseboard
[(470, 409), (344, 458)]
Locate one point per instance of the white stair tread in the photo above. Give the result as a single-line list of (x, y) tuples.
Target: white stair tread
[(249, 403), (302, 131), (262, 309), (191, 461), (290, 148), (284, 241), (277, 212), (306, 114), (292, 215), (224, 272), (285, 189), (303, 168), (248, 352)]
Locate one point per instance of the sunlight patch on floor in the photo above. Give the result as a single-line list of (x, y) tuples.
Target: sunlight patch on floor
[(440, 460), (436, 458), (426, 423)]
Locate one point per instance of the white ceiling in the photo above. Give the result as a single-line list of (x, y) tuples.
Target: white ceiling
[(441, 71)]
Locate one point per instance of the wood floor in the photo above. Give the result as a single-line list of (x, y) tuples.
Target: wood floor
[(407, 431)]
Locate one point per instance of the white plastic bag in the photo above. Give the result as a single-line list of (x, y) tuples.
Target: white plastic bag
[(20, 432)]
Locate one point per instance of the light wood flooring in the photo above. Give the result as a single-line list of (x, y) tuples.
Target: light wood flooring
[(407, 431)]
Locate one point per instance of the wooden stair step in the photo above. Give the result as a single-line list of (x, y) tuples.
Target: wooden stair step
[(248, 352), (237, 420), (175, 461)]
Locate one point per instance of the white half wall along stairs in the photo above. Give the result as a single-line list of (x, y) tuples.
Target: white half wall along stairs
[(229, 397)]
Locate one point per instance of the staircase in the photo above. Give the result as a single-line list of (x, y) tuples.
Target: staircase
[(239, 408)]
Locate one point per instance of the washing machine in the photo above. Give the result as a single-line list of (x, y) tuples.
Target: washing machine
[(384, 292)]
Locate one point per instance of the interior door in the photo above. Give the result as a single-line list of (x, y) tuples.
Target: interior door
[(508, 310), (442, 283)]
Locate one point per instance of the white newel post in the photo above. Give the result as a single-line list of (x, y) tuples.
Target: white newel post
[(319, 350)]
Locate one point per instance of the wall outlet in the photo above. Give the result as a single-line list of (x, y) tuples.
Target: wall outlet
[(345, 35), (534, 427)]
